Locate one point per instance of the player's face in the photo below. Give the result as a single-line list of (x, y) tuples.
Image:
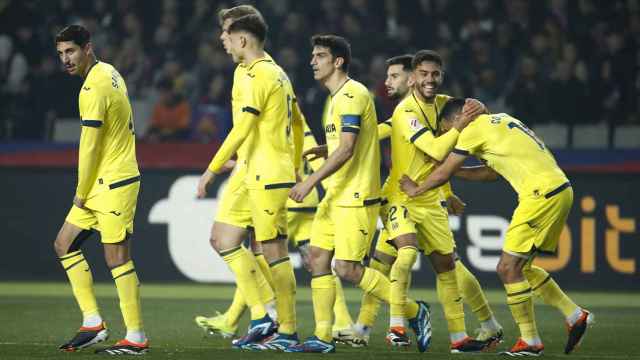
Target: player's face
[(235, 46), (224, 34), (322, 63), (428, 77), (73, 57), (398, 81)]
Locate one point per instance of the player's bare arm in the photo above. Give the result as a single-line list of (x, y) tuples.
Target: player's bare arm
[(317, 152), (208, 176), (477, 173), (341, 155), (438, 177)]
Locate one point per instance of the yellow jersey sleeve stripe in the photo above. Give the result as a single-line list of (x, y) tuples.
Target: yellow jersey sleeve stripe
[(251, 110), (286, 185), (91, 123), (308, 209), (415, 136)]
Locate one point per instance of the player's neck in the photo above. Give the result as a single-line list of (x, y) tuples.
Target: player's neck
[(336, 81), (422, 98), (90, 64), (253, 55)]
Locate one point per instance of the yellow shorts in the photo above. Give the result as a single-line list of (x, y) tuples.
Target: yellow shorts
[(269, 212), (234, 208), (538, 222), (427, 218), (346, 230), (110, 212), (300, 217)]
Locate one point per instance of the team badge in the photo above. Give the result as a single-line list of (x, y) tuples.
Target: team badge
[(415, 124)]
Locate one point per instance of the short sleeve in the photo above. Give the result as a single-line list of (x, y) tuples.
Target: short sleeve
[(255, 88), (350, 108), (93, 106), (470, 140)]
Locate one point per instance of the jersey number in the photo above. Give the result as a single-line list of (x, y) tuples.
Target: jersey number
[(527, 132)]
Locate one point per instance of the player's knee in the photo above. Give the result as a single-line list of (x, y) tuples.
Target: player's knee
[(347, 271), (506, 270), (60, 246)]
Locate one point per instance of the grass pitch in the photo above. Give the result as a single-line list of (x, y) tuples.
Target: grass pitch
[(35, 318)]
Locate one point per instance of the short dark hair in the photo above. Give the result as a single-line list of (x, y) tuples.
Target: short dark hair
[(452, 107), (426, 55), (237, 12), (253, 24), (404, 60), (337, 45), (75, 33)]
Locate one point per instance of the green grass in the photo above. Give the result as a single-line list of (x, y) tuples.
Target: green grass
[(37, 317)]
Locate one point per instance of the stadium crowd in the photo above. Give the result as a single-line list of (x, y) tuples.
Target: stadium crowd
[(544, 61)]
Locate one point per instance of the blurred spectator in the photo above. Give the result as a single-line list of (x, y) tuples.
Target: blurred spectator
[(515, 53), (171, 116), (212, 118), (528, 97)]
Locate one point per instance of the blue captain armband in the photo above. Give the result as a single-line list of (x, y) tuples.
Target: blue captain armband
[(350, 123)]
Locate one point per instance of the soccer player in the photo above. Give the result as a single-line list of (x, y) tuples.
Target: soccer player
[(234, 207), (545, 196), (264, 119), (410, 157), (422, 222), (346, 218), (106, 195)]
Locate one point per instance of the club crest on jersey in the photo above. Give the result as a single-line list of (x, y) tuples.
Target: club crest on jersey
[(415, 124)]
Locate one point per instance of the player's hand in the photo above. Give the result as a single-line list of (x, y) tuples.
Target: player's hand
[(409, 186), (455, 205), (206, 179), (316, 153), (228, 166), (79, 202), (306, 257), (473, 108), (300, 191)]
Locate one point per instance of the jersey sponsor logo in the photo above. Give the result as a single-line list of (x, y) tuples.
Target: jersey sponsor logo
[(415, 124), (116, 213), (348, 95), (331, 128), (86, 88), (251, 75), (269, 212)]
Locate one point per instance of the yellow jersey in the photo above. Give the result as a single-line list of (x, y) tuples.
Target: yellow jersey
[(415, 149), (107, 153), (267, 127), (357, 182), (507, 146)]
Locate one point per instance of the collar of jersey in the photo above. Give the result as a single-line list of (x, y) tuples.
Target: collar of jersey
[(265, 58)]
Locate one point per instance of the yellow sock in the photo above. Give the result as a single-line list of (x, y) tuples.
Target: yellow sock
[(244, 267), (264, 277), (376, 284), (81, 281), (284, 282), (323, 292), (264, 267), (343, 319), (520, 303), (236, 309), (544, 286), (128, 288), (400, 279), (472, 293), (370, 304), (449, 296)]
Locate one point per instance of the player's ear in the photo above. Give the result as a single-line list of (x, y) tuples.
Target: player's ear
[(88, 48), (411, 80), (338, 61)]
